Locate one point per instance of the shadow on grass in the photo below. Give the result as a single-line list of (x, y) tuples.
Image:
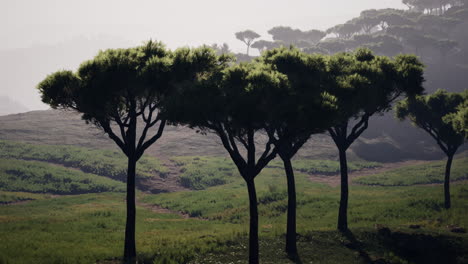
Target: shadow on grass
[(295, 258), (355, 245), (423, 248)]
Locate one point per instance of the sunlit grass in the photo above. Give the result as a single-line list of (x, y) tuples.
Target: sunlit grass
[(433, 172), (108, 163)]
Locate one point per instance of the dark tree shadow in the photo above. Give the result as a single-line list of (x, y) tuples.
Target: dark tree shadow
[(423, 248), (357, 246), (295, 258)]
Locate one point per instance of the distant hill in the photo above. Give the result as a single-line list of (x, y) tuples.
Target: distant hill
[(55, 127), (9, 106)]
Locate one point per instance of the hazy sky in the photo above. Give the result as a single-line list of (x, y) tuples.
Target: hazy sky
[(41, 36)]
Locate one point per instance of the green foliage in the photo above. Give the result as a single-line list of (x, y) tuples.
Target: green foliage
[(39, 177), (459, 119), (105, 80), (305, 96), (434, 114), (368, 84), (112, 164), (418, 174)]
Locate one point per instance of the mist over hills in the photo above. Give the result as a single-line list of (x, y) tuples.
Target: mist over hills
[(9, 106), (22, 69), (438, 37)]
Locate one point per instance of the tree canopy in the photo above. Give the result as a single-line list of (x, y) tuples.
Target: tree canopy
[(364, 85), (443, 116), (435, 114), (247, 36), (295, 112), (120, 88)]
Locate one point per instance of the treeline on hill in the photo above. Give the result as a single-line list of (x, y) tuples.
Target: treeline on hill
[(435, 33), (433, 30)]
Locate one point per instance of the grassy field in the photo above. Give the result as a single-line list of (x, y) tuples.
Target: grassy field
[(40, 177), (107, 163), (90, 227), (201, 172), (325, 166), (87, 228), (418, 174), (13, 197)]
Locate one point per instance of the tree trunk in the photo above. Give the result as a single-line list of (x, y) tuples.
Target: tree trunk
[(291, 248), (343, 211), (129, 248), (253, 233), (248, 47), (448, 166)]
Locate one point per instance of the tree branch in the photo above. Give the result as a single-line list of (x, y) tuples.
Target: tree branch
[(251, 148), (226, 139), (148, 125), (141, 149), (357, 130), (435, 135), (262, 162), (107, 128)]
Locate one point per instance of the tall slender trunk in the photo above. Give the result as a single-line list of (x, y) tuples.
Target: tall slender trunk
[(343, 211), (253, 233), (129, 248), (291, 248), (448, 166)]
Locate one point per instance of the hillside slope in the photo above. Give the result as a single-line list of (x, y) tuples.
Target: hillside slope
[(53, 127)]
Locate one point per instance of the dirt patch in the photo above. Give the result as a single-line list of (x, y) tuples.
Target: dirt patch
[(335, 179), (169, 182)]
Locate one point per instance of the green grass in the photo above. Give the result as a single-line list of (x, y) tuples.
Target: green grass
[(89, 228), (108, 163), (11, 197), (433, 172), (317, 202), (41, 177), (324, 166), (201, 172), (198, 173)]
